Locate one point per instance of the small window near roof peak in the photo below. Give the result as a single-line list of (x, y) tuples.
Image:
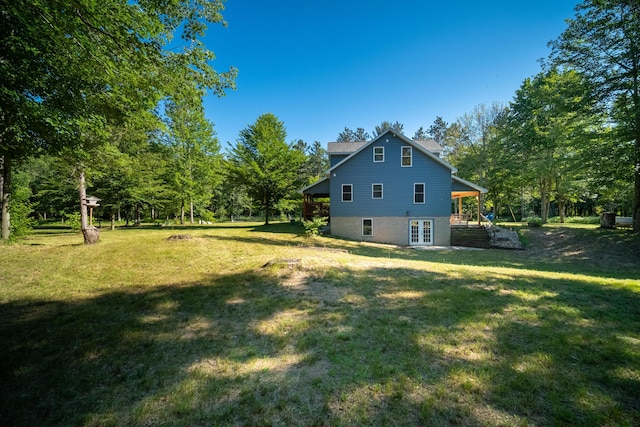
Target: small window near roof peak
[(406, 156), (378, 154)]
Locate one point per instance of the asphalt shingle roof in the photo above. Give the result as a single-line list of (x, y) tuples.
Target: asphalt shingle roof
[(350, 147)]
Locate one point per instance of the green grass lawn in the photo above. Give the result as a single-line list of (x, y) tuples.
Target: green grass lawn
[(251, 325)]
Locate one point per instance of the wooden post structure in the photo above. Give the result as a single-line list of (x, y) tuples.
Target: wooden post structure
[(92, 234)]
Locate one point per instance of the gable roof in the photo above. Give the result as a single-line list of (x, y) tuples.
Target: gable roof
[(344, 147), (470, 185), (321, 186), (349, 147), (362, 145)]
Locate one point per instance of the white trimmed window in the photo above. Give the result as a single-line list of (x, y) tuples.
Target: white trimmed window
[(406, 156), (378, 154), (367, 227), (376, 191), (418, 193), (347, 192)]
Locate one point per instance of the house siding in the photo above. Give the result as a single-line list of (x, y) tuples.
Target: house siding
[(394, 230), (361, 171), (334, 159)]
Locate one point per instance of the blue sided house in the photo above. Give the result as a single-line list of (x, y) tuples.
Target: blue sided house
[(391, 189)]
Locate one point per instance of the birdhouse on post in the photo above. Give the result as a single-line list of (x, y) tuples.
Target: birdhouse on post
[(91, 202)]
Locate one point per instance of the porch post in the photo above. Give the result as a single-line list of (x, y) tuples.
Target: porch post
[(478, 199), (305, 206)]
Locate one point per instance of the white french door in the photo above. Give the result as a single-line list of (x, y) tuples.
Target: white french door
[(420, 232)]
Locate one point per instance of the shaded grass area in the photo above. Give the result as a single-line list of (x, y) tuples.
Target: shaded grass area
[(250, 326)]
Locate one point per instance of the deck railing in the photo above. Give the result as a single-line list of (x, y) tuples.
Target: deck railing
[(312, 209), (459, 219)]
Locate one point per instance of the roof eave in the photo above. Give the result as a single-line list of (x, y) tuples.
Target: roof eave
[(469, 184), (404, 139)]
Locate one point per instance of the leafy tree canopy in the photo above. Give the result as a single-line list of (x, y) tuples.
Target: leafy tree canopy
[(74, 68), (603, 42), (262, 161)]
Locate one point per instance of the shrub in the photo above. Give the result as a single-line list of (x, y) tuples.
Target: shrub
[(533, 221), (312, 228), (20, 208), (73, 220), (576, 220), (207, 215)]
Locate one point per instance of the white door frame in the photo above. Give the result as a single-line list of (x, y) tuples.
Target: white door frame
[(420, 232)]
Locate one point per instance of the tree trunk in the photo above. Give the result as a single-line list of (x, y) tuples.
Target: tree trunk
[(113, 221), (266, 209), (191, 211), (562, 209), (137, 213), (608, 220), (522, 214), (91, 234), (636, 199), (5, 196), (635, 218), (545, 199)]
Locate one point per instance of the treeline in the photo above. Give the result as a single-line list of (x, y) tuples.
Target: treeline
[(108, 98), (179, 174), (105, 100)]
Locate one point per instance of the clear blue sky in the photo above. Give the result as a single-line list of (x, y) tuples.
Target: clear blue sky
[(322, 65)]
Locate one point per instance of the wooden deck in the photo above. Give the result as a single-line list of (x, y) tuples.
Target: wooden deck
[(311, 209)]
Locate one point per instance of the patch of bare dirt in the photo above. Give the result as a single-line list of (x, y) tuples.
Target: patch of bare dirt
[(175, 237), (305, 283)]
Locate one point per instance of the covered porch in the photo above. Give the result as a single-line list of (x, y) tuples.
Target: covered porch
[(316, 200), (460, 189)]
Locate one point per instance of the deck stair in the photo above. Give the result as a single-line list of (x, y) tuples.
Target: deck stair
[(471, 236)]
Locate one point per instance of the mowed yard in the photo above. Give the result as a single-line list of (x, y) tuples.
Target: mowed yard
[(243, 324)]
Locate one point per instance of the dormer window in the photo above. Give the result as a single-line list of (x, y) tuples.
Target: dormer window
[(378, 154), (406, 156)]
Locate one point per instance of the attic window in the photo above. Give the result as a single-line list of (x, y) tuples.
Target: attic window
[(378, 154), (406, 156)]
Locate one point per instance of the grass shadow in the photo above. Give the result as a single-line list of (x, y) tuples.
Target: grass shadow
[(292, 345)]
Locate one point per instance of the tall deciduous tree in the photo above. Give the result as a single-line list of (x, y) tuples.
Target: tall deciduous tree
[(195, 154), (475, 145), (73, 68), (550, 118), (476, 132), (603, 43), (263, 162)]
